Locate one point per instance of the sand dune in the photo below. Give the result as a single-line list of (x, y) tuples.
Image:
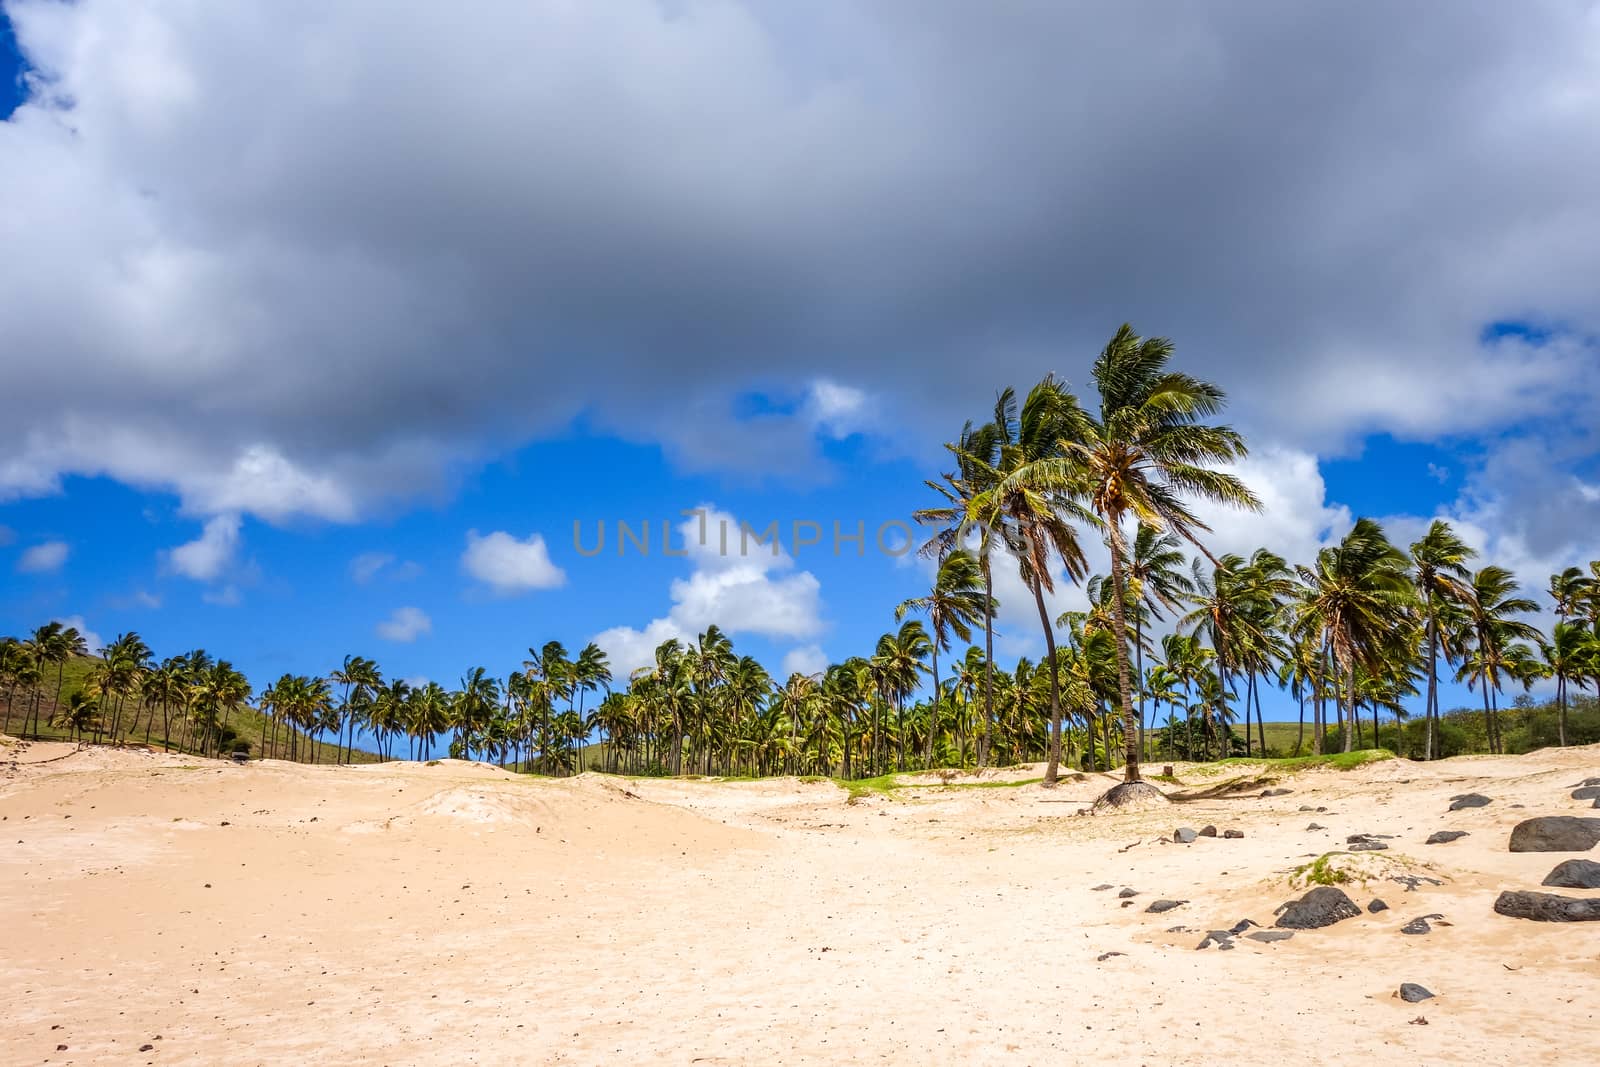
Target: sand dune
[(453, 913)]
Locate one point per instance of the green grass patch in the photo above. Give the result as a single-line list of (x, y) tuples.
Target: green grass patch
[(1341, 761), (1323, 871)]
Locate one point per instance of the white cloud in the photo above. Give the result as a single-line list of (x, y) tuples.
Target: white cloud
[(405, 625), (44, 558), (1296, 519), (509, 566), (226, 596), (91, 639), (839, 410), (736, 583), (803, 659), (628, 649), (370, 565), (206, 557), (366, 566)]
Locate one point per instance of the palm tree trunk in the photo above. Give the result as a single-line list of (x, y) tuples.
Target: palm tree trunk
[(988, 660), (1138, 670), (1300, 738), (1431, 708), (1130, 729), (1345, 737), (1053, 768), (1561, 704), (933, 710)]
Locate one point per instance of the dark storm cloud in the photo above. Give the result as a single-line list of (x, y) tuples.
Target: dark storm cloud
[(297, 257)]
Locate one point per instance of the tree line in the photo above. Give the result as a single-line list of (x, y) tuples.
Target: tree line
[(1365, 628)]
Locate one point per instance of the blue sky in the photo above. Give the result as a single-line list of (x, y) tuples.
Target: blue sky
[(285, 340)]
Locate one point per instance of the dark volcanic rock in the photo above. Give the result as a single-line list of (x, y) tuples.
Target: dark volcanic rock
[(1588, 792), (1444, 837), (1270, 935), (1315, 826), (1208, 831), (1159, 906), (1276, 792), (1574, 874), (1124, 894), (1241, 926), (1377, 905), (1555, 833), (1366, 844), (1469, 800), (1233, 835), (1416, 926), (1323, 906), (1412, 993), (1183, 835), (1548, 907)]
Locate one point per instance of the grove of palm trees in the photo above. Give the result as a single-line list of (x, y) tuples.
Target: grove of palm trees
[(1168, 662)]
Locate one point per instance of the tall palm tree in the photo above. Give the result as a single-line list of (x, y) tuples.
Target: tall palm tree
[(1491, 635), (1030, 499), (1147, 452), (976, 453), (955, 603), (590, 671), (1355, 597), (1156, 583), (1573, 655), (1439, 574)]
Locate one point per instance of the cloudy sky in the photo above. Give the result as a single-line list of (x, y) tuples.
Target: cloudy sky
[(323, 323)]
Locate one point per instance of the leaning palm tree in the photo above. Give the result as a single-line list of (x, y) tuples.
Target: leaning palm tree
[(1030, 498), (976, 454), (1145, 455), (1439, 574), (955, 603)]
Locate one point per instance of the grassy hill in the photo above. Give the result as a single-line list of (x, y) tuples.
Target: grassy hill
[(247, 724)]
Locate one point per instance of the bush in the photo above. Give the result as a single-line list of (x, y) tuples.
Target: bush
[(240, 745)]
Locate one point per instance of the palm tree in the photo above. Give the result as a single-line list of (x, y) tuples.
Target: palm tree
[(956, 601), (1439, 575), (16, 665), (1156, 582), (1573, 655), (1491, 635), (361, 680), (1357, 595), (1146, 451), (79, 715), (977, 453), (590, 671), (1028, 497)]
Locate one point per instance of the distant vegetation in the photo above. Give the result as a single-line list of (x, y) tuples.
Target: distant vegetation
[(1358, 636)]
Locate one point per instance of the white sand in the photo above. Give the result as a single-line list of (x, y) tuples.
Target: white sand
[(457, 914)]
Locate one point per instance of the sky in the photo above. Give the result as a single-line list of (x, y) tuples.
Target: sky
[(323, 324)]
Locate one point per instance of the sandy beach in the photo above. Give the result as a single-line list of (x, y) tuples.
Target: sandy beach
[(161, 909)]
